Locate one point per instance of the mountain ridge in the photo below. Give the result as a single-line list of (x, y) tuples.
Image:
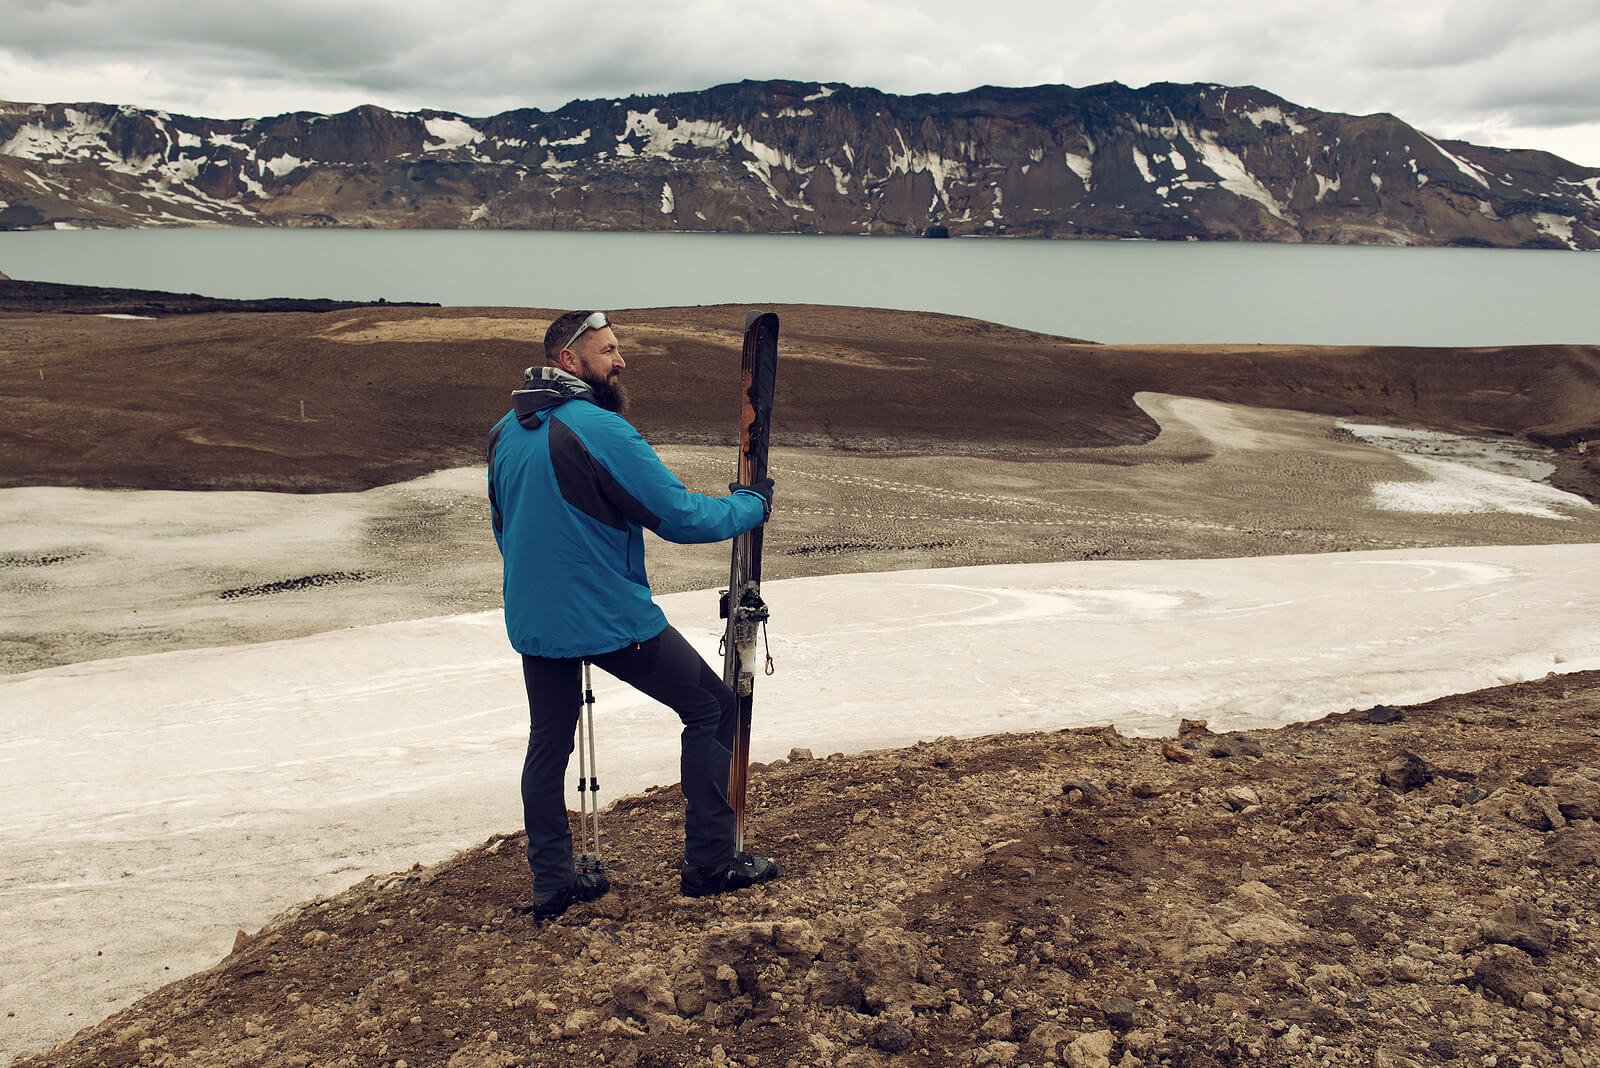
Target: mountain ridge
[(1168, 161)]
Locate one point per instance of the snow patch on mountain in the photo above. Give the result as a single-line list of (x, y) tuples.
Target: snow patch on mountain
[(82, 140), (911, 161), (1143, 163), (661, 139), (1083, 167), (1557, 226), (575, 139), (1232, 174), (1273, 115), (1589, 187), (450, 133), (841, 177), (1471, 170), (766, 158), (279, 165)]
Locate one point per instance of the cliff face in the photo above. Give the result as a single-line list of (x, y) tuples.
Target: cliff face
[(1166, 162)]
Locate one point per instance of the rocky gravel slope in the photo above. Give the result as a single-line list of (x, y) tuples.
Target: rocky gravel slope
[(1389, 887)]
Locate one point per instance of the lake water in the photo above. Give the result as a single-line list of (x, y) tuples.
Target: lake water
[(1112, 291)]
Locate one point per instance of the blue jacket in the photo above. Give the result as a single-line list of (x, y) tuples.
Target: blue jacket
[(572, 488)]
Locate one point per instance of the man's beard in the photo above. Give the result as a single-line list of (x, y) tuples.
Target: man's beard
[(608, 396)]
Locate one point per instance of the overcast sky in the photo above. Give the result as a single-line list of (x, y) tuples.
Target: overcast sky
[(1509, 73)]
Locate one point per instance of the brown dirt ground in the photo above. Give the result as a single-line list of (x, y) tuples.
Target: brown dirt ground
[(1413, 892)]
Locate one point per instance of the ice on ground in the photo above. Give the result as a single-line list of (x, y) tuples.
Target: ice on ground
[(1468, 474), (433, 709), (1453, 489)]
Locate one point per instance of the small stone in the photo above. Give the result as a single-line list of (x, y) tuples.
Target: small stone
[(1140, 1041), (798, 754), (1110, 738), (1119, 1011), (644, 991), (1406, 772), (1175, 754), (579, 1021), (1444, 1049), (1521, 926), (892, 1037), (1384, 714), (1090, 1051), (1577, 796), (1506, 972), (1240, 798), (1049, 1037), (1474, 795), (1002, 1054), (1234, 745)]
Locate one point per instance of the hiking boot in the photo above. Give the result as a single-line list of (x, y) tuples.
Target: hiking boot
[(736, 874), (585, 887)]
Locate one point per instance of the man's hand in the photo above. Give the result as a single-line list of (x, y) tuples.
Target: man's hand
[(762, 488)]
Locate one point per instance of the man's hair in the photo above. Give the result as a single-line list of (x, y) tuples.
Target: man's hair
[(555, 338)]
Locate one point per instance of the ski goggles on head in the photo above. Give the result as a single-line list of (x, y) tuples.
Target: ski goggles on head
[(597, 321)]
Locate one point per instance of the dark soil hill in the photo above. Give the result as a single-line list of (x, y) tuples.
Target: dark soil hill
[(319, 401), (1397, 887)]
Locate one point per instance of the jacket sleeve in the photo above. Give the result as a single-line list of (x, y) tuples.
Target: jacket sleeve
[(608, 471), (496, 521)]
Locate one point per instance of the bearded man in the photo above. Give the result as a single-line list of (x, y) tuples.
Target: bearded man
[(572, 489)]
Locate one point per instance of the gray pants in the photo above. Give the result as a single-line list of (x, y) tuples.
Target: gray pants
[(666, 669)]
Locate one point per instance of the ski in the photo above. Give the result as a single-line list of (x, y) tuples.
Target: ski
[(742, 606)]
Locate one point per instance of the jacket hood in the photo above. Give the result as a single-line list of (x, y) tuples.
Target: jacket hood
[(543, 388)]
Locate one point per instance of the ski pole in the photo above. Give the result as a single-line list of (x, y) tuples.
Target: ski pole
[(588, 781)]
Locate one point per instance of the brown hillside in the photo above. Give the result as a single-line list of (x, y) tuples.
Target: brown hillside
[(214, 401)]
